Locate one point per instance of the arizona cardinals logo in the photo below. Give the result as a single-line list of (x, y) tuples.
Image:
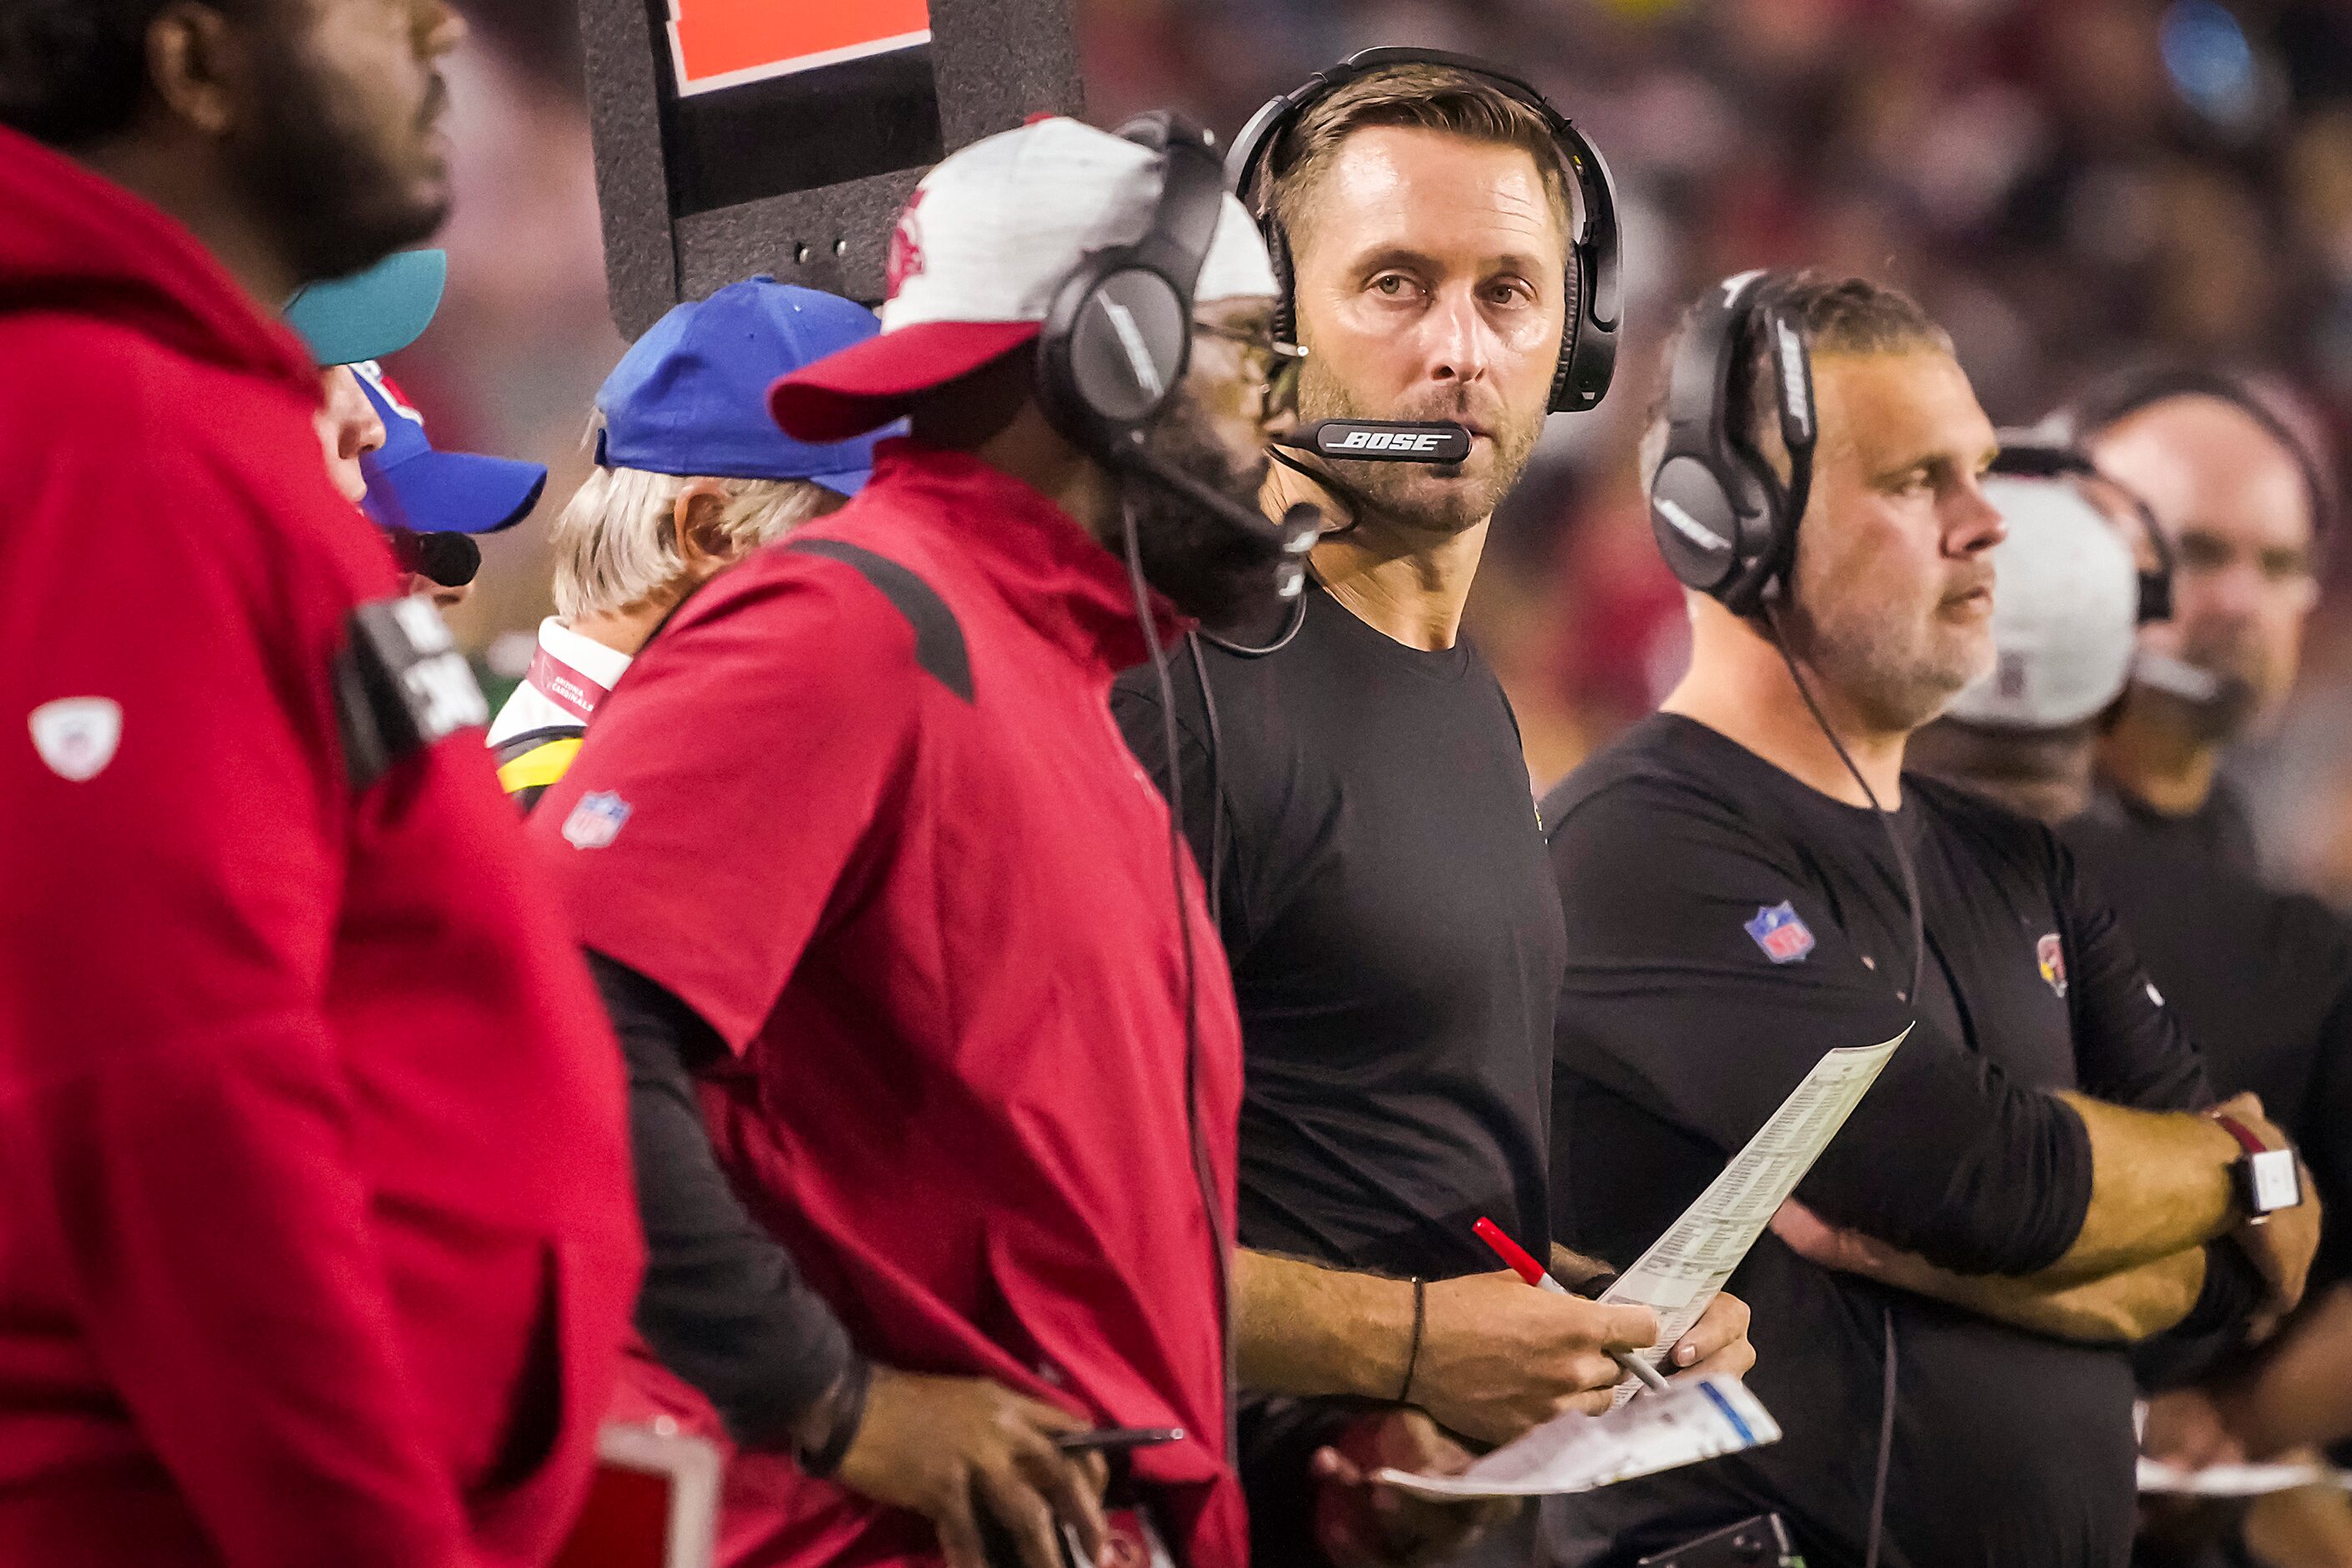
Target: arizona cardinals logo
[(2051, 955), (905, 258)]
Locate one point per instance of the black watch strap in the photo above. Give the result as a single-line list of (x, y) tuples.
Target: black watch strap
[(847, 1400), (2264, 1180)]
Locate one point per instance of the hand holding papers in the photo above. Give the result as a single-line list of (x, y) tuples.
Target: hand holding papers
[(1695, 1420), (1536, 1274), (1699, 1417), (1683, 1268)]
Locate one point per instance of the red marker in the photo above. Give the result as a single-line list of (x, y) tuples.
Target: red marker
[(1523, 1264)]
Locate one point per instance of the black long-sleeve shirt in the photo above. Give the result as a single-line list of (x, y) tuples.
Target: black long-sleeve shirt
[(1727, 925), (2262, 979), (723, 1304)]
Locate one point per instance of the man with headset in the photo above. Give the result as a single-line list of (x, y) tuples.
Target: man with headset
[(2260, 980), (2030, 1169), (2245, 505), (933, 1072), (1357, 793)]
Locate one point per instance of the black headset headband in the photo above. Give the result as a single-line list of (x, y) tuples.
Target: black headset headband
[(1588, 352), (1118, 336), (1723, 522), (1192, 192), (2110, 401)]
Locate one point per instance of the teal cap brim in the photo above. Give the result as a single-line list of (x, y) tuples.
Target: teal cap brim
[(372, 313)]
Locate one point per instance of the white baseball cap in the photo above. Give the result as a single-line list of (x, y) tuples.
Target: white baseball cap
[(2065, 610), (983, 247)]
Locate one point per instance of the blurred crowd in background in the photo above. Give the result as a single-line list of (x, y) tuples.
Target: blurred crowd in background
[(2067, 185)]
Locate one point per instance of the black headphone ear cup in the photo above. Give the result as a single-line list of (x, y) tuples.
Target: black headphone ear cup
[(1122, 338), (1697, 525)]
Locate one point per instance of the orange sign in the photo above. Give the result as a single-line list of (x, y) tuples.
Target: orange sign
[(725, 43)]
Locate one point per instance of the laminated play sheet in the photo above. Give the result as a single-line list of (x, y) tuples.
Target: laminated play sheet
[(1700, 1418)]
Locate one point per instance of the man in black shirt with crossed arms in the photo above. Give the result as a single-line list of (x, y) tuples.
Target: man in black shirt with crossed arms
[(2029, 1173)]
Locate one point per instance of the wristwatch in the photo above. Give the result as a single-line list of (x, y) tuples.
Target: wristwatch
[(2266, 1180)]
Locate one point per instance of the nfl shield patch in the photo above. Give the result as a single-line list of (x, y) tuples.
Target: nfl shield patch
[(77, 735), (1781, 933), (596, 820), (2051, 955)]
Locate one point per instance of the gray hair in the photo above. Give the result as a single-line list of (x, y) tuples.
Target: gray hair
[(616, 541)]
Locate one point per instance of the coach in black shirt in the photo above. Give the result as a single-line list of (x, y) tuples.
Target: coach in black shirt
[(2023, 1167), (2260, 980), (2243, 503), (1394, 936)]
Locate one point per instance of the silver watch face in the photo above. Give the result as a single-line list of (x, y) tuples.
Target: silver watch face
[(2275, 1185)]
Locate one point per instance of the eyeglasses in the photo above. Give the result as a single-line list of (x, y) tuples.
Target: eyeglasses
[(1275, 364)]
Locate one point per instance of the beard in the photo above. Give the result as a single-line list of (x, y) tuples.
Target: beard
[(1214, 571), (1898, 666), (330, 189), (1445, 500)]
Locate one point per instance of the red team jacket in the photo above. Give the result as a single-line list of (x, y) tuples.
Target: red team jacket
[(317, 1242), (863, 807)]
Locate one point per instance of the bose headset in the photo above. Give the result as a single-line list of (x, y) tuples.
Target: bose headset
[(1117, 339), (1587, 350), (1725, 522)]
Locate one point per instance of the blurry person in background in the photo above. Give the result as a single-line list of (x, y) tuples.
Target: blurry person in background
[(318, 1245), (2243, 505), (691, 473), (2260, 981), (368, 316), (432, 505), (1392, 928), (429, 503)]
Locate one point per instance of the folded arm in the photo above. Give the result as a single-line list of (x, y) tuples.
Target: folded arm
[(1671, 1005), (2121, 1308)]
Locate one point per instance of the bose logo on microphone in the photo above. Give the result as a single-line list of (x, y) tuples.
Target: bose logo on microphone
[(1389, 441)]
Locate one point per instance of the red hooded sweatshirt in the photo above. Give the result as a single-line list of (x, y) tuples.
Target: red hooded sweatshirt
[(317, 1242)]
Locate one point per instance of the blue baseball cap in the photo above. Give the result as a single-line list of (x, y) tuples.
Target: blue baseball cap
[(412, 486), (372, 313), (690, 398)]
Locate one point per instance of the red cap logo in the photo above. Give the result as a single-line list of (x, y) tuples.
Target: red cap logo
[(905, 258)]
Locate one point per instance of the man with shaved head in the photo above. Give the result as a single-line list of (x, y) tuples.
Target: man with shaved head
[(2243, 503), (2259, 977)]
